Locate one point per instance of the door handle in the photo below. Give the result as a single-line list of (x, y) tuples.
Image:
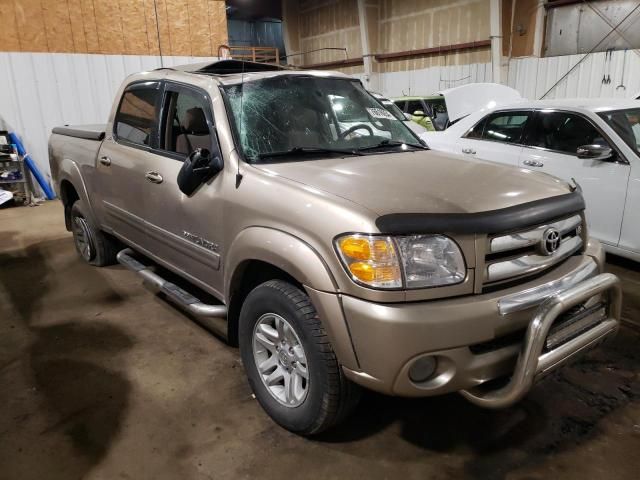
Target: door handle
[(106, 161), (154, 177), (533, 163), (470, 151)]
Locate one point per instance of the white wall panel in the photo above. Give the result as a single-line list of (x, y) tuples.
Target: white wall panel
[(39, 91)]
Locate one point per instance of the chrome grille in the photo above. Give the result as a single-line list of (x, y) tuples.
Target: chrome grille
[(528, 252)]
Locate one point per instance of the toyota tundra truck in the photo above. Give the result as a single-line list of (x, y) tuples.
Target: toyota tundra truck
[(335, 255)]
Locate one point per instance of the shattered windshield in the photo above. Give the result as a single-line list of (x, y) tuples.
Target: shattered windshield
[(299, 113)]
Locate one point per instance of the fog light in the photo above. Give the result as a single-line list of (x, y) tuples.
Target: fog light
[(423, 369)]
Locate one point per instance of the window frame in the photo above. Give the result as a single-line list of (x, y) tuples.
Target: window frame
[(525, 131), (153, 135), (620, 158), (172, 86)]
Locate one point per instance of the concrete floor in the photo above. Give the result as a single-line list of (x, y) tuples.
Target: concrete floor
[(100, 379)]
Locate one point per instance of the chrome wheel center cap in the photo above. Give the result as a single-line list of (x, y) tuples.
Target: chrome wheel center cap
[(285, 359)]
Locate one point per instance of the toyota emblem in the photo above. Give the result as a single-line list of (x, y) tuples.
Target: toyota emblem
[(550, 241)]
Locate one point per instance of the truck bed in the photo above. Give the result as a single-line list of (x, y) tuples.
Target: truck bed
[(87, 132)]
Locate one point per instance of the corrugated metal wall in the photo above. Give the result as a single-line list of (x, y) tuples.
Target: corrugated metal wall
[(532, 77), (430, 80), (258, 33), (39, 91)]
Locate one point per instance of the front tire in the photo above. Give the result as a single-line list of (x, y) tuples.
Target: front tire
[(289, 361), (93, 246)]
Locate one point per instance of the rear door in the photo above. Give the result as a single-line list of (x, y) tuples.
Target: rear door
[(497, 137), (123, 160), (551, 146), (185, 230)]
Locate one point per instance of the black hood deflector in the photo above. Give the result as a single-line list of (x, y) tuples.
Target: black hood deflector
[(503, 220)]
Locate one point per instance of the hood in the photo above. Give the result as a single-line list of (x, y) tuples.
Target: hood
[(421, 182), (466, 99)]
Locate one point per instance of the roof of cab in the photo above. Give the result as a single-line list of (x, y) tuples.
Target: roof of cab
[(229, 72)]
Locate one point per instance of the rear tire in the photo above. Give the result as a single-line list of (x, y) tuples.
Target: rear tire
[(278, 314), (93, 246)]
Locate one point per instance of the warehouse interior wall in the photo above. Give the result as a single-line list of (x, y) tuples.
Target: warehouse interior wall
[(61, 61), (398, 33), (39, 91), (133, 27)]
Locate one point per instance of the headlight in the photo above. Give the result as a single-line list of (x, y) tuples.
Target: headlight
[(415, 261), (431, 261)]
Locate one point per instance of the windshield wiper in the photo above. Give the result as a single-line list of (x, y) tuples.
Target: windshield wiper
[(308, 150), (393, 143)]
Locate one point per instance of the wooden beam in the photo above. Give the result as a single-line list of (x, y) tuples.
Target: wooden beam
[(349, 62), (433, 50)]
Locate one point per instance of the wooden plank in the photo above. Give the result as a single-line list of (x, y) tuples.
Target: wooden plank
[(90, 26), (152, 26), (57, 26), (134, 27), (109, 25), (77, 26), (217, 24), (10, 39), (178, 18), (199, 33), (30, 22)]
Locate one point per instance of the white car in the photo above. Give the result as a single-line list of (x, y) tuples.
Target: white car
[(595, 142)]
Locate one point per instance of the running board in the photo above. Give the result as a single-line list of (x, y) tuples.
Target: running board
[(214, 316)]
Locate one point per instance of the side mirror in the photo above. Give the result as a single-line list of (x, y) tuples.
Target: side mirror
[(407, 116), (595, 152), (418, 113), (197, 169)]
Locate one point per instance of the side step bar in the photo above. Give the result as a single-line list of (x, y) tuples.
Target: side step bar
[(178, 295)]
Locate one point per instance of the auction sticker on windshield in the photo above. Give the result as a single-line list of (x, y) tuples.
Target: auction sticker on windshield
[(380, 113)]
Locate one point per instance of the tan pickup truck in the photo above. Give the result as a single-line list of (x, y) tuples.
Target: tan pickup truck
[(293, 213)]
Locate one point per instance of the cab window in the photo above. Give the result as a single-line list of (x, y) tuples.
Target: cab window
[(414, 106), (185, 126), (563, 132), (136, 116)]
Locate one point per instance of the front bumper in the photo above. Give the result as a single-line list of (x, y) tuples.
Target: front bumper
[(472, 337)]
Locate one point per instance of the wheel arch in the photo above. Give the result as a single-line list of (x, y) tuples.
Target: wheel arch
[(71, 187), (68, 195), (259, 254)]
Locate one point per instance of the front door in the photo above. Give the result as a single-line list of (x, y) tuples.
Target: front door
[(185, 231), (123, 161), (551, 146)]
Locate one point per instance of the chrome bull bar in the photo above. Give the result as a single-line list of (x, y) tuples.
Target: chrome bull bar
[(532, 363)]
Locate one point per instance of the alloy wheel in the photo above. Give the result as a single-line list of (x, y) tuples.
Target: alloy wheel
[(280, 359)]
